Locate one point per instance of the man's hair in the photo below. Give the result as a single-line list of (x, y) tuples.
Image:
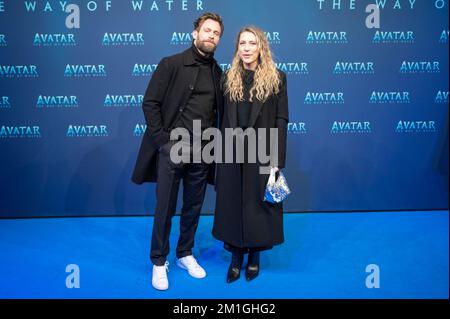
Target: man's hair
[(205, 16)]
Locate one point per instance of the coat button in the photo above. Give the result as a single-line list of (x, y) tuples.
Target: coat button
[(180, 109), (191, 87)]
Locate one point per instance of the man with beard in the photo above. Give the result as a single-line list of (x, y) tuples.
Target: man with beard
[(183, 88)]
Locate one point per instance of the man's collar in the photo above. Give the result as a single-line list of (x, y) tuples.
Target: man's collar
[(189, 59)]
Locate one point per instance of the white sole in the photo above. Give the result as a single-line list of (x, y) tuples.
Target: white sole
[(179, 264), (160, 288)]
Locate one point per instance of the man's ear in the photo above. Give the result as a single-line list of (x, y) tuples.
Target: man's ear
[(195, 34)]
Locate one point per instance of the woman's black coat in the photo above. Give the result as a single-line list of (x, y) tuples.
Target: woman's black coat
[(242, 218)]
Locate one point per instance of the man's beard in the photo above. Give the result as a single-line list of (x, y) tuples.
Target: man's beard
[(205, 48)]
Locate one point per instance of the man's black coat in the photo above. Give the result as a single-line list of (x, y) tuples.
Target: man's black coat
[(166, 96)]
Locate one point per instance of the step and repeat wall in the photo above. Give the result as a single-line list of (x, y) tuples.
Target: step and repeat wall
[(368, 107)]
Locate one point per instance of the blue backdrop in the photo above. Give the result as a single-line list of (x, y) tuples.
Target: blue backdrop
[(368, 107)]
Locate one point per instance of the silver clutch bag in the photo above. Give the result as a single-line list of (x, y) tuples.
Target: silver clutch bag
[(277, 189)]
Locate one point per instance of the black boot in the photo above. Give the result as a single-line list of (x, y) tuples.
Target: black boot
[(234, 271), (252, 270)]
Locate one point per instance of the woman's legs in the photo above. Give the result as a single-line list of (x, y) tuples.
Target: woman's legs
[(237, 257), (252, 270), (234, 270)]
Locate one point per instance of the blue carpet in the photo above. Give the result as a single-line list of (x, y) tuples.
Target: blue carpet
[(324, 256)]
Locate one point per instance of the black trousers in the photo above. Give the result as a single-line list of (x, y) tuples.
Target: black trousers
[(194, 176)]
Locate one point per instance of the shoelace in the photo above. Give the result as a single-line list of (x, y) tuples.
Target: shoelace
[(192, 262), (166, 265), (166, 268)]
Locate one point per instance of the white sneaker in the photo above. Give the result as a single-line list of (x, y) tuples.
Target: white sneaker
[(159, 277), (190, 264)]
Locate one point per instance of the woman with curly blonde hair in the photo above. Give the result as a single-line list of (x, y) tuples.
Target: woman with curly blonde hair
[(255, 98)]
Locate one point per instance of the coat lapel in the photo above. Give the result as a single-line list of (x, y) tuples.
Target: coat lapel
[(256, 109), (232, 113), (190, 75)]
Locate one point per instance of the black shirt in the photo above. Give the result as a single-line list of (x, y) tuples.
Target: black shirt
[(202, 102), (244, 108)]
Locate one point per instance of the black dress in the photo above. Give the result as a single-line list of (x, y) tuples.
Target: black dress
[(244, 107)]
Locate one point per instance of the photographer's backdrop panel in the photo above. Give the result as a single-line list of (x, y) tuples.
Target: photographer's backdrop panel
[(368, 107)]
